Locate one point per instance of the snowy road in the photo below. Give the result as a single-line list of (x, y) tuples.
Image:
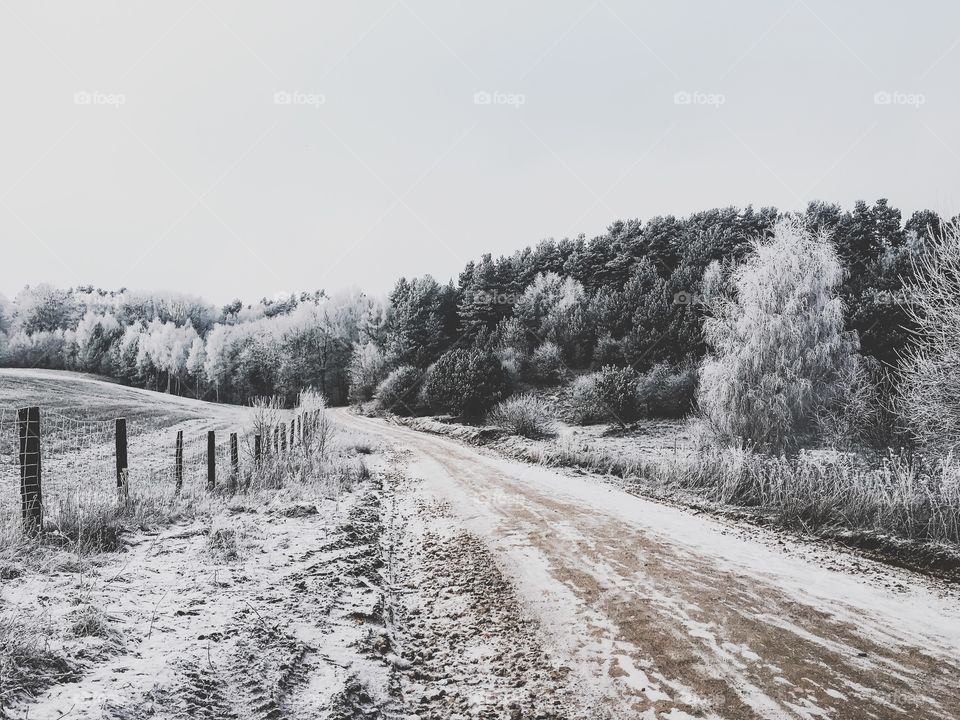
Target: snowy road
[(655, 612)]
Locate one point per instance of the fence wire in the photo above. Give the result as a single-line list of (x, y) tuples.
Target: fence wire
[(78, 457)]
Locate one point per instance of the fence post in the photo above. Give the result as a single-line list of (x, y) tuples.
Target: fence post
[(122, 468), (276, 440), (31, 498), (257, 450), (293, 424), (211, 460), (178, 459), (305, 438), (234, 460), (300, 428), (283, 437)]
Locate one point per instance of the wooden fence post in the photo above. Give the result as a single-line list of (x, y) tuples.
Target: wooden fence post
[(211, 460), (283, 437), (234, 460), (123, 488), (257, 450), (305, 439), (178, 459), (300, 428), (276, 440), (293, 424), (31, 497)]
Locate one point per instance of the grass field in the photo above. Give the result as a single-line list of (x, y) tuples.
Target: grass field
[(76, 595)]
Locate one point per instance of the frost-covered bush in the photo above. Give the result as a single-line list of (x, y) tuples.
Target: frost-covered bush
[(666, 393), (546, 364), (618, 391), (525, 415), (586, 405), (778, 347), (609, 395), (512, 361), (465, 382), (399, 390), (608, 351)]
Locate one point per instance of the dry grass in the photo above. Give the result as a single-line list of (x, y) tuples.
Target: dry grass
[(28, 665), (901, 496), (91, 622)]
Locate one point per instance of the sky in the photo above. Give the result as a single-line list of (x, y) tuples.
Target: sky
[(246, 149)]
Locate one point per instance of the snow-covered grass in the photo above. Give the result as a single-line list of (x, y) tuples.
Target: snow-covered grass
[(812, 491)]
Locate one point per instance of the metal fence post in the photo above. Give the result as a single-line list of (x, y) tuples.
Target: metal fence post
[(31, 497), (211, 460), (178, 459), (234, 460), (123, 472)]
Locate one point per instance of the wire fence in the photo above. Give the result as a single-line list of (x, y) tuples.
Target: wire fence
[(45, 455)]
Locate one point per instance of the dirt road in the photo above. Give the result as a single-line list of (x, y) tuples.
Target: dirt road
[(543, 594)]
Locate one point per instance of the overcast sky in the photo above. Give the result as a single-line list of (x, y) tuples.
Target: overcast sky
[(241, 149)]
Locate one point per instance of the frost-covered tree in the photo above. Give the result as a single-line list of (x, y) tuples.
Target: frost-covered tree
[(930, 393), (368, 368), (46, 308), (778, 350), (93, 338), (552, 308)]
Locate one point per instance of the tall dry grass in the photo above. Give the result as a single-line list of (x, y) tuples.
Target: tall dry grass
[(901, 495)]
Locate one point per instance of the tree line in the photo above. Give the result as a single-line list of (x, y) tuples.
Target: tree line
[(631, 298)]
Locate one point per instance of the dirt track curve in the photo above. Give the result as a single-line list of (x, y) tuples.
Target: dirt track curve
[(610, 605)]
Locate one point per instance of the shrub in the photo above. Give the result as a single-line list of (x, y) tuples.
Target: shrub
[(608, 351), (398, 392), (618, 391), (664, 393), (546, 364), (586, 406), (512, 361), (524, 415), (779, 349), (465, 382), (607, 395)]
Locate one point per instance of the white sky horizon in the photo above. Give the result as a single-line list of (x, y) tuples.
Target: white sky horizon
[(238, 152)]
